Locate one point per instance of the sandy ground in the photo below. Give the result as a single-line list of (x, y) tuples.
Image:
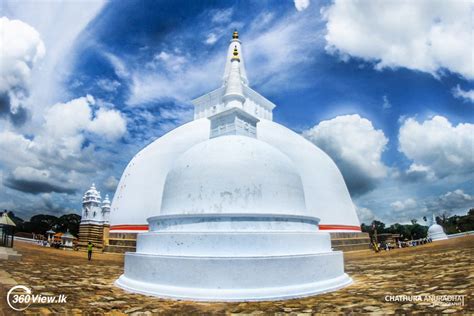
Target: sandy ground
[(441, 268)]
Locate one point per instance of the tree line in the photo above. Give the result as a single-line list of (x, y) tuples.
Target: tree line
[(452, 225), (41, 223)]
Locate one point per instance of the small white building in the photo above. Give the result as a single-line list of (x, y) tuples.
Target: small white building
[(436, 231), (67, 239)]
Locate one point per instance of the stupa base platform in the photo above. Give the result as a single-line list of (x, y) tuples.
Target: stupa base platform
[(9, 254), (259, 278)]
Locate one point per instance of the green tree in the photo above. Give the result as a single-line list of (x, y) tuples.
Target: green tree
[(39, 224), (69, 222)]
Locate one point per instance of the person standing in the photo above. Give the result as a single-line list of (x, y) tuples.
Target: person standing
[(89, 250)]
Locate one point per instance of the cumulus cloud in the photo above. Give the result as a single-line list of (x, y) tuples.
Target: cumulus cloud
[(211, 39), (59, 24), (111, 183), (365, 215), (403, 205), (108, 123), (418, 172), (301, 5), (222, 16), (466, 95), (452, 202), (108, 85), (435, 34), (356, 147), (35, 181), (22, 48), (172, 76), (436, 147), (57, 158)]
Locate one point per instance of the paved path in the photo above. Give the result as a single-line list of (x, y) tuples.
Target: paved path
[(441, 268)]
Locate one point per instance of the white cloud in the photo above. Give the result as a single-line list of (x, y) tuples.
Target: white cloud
[(59, 24), (403, 205), (108, 85), (19, 149), (108, 123), (111, 183), (277, 53), (211, 39), (170, 62), (301, 5), (386, 103), (56, 158), (365, 215), (22, 48), (438, 146), (222, 16), (280, 46), (466, 95), (356, 146), (119, 66), (417, 172), (449, 203), (424, 35), (172, 76), (71, 118)]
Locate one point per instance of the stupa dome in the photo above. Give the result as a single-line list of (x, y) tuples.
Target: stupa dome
[(435, 229), (233, 174), (436, 232)]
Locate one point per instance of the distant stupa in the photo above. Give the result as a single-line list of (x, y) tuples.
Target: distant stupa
[(436, 231), (233, 203)]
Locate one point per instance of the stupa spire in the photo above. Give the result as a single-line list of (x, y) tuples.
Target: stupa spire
[(235, 45), (234, 94), (234, 91)]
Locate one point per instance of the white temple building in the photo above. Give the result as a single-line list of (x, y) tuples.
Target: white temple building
[(94, 210), (234, 205), (436, 231), (94, 226)]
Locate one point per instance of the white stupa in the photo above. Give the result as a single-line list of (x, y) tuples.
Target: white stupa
[(67, 239), (140, 190), (236, 200), (436, 231)]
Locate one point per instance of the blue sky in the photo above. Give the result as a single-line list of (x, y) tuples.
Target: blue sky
[(386, 89)]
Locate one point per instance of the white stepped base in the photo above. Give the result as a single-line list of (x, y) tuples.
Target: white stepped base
[(437, 237), (255, 278)]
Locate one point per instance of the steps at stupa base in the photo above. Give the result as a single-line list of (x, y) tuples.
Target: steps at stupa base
[(350, 241), (344, 241), (218, 278)]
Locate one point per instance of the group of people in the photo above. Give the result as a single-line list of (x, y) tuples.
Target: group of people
[(378, 246)]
